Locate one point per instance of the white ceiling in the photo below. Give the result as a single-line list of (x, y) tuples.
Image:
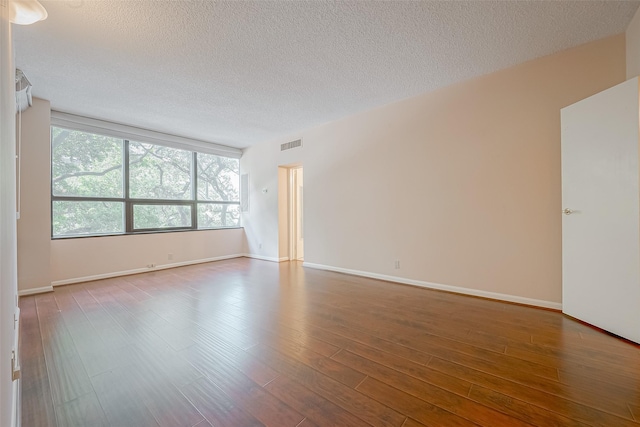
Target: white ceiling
[(241, 72)]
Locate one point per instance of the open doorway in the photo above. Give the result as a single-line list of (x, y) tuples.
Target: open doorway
[(296, 222), (290, 213)]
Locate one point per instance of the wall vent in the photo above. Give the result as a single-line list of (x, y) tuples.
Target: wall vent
[(290, 145)]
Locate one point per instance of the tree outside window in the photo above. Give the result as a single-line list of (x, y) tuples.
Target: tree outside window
[(95, 191)]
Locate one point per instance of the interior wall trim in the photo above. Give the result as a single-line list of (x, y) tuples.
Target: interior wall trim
[(437, 286), (266, 258), (140, 270), (44, 289), (117, 130), (33, 291)]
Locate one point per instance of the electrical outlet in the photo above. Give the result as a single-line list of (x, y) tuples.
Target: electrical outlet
[(259, 245), (397, 264), (170, 257)]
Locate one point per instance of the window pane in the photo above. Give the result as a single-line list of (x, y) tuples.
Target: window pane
[(212, 215), (157, 172), (161, 216), (82, 218), (85, 164), (218, 178)]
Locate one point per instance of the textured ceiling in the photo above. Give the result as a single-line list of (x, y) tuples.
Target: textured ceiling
[(241, 72)]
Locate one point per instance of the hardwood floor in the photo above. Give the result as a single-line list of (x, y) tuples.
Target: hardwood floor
[(249, 343)]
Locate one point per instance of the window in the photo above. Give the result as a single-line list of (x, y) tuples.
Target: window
[(103, 185)]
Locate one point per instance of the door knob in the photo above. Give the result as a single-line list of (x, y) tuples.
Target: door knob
[(567, 211)]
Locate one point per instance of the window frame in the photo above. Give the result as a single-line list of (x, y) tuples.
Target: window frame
[(129, 202)]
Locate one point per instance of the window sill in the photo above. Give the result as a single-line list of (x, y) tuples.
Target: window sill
[(137, 233)]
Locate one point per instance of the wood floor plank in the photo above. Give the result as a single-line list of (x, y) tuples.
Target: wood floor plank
[(581, 354), (119, 392), (635, 410), (412, 423), (218, 408), (222, 349), (436, 345), (454, 403), (37, 409), (245, 342), (327, 366), (68, 379), (313, 406), (362, 406), (68, 306), (84, 411), (169, 407), (203, 423), (376, 342), (67, 375), (521, 410), (408, 367), (176, 370), (548, 401), (415, 408), (249, 396)]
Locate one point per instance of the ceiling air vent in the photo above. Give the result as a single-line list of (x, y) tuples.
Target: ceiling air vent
[(290, 145)]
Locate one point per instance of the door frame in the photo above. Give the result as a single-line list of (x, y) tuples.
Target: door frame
[(293, 218)]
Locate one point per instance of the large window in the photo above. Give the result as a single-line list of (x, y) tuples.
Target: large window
[(103, 185)]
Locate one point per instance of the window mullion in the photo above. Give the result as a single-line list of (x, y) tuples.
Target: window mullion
[(128, 205), (194, 188)]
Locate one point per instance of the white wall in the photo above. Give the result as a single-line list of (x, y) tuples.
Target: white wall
[(8, 274), (34, 225), (632, 36), (461, 185), (44, 261), (261, 222), (94, 257)]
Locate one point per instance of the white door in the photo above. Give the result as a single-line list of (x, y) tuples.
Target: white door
[(600, 229)]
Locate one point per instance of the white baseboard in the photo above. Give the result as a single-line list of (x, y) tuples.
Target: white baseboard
[(440, 287), (140, 270), (266, 258), (34, 291)]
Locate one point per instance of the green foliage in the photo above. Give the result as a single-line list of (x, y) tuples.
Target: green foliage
[(85, 164), (213, 215), (91, 166), (218, 178), (157, 172), (85, 218), (161, 216)]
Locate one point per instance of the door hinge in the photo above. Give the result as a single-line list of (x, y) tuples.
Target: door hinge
[(15, 368)]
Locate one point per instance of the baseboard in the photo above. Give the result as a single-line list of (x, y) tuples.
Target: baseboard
[(266, 258), (440, 287), (140, 270), (34, 291)]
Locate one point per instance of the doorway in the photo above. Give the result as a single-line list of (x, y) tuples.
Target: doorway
[(296, 217)]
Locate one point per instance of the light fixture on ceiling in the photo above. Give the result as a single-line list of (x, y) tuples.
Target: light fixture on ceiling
[(26, 12)]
